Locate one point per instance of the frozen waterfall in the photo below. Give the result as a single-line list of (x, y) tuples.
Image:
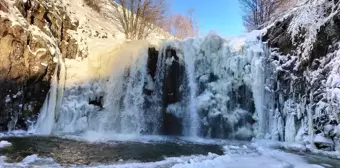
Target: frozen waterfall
[(207, 87)]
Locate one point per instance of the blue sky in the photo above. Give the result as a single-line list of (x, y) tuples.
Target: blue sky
[(222, 16)]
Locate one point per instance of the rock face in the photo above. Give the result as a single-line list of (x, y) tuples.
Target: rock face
[(306, 86), (173, 79), (29, 44)]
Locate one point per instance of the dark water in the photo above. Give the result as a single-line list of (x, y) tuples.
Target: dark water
[(66, 151), (69, 152), (322, 160), (317, 159)]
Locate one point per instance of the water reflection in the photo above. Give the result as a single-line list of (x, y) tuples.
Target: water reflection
[(66, 151)]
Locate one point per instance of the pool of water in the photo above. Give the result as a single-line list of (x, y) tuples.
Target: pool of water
[(152, 152), (68, 151)]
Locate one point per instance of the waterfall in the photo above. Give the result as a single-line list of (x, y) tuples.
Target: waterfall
[(191, 118), (45, 121), (258, 85), (52, 104), (208, 87), (124, 98)]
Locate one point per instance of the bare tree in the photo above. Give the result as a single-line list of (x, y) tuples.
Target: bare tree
[(258, 12), (182, 26), (3, 6), (137, 18)]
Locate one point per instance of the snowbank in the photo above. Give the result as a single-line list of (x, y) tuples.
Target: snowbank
[(296, 146), (30, 161)]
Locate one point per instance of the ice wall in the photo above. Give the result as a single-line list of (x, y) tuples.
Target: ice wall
[(208, 87)]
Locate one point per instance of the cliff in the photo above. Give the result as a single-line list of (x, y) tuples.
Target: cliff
[(305, 83)]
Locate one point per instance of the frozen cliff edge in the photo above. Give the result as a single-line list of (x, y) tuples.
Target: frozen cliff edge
[(305, 51)]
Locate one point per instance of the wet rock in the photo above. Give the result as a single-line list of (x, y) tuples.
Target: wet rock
[(97, 102), (279, 37), (26, 59), (172, 93)]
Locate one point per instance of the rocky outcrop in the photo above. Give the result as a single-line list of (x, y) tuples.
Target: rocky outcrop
[(29, 49)]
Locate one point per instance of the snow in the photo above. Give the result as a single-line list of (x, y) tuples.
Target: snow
[(8, 99), (30, 161), (91, 22), (35, 53), (296, 146), (310, 16), (44, 64), (175, 109), (205, 100), (298, 116), (321, 139), (4, 144)]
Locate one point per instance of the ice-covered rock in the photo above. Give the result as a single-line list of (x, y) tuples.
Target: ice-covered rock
[(4, 144), (324, 143)]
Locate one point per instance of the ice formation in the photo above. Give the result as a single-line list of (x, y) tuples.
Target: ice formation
[(208, 87)]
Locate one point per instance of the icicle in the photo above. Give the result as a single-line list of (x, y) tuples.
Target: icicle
[(310, 118)]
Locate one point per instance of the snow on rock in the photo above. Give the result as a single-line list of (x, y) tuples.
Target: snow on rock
[(321, 139), (30, 161), (304, 86), (4, 144), (324, 143), (310, 16)]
